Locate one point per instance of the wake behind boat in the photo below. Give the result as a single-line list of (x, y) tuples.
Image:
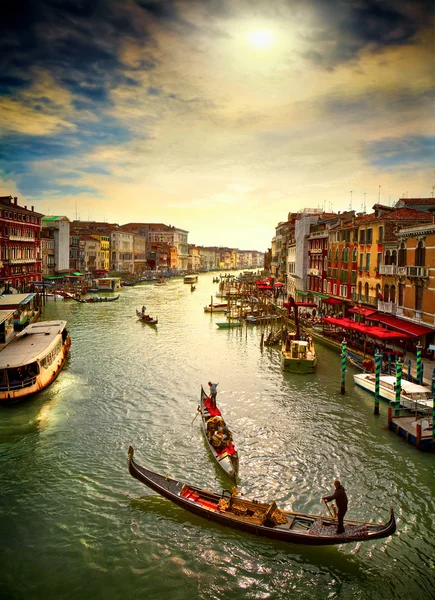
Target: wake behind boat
[(33, 359), (258, 518), (223, 451)]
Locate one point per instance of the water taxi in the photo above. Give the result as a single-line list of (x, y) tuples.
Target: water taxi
[(190, 279), (298, 356), (33, 359), (412, 395)]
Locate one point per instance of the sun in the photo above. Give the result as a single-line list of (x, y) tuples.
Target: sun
[(261, 39)]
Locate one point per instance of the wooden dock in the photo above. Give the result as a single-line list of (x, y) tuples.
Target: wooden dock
[(406, 427)]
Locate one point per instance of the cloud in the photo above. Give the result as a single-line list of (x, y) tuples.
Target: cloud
[(407, 153)]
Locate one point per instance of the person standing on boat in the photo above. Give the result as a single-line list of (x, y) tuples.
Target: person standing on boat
[(143, 309), (340, 498), (213, 393)]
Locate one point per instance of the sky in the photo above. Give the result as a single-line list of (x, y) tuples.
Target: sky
[(216, 116)]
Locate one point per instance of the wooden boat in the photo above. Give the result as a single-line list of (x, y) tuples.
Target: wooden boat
[(298, 356), (190, 278), (220, 307), (258, 518), (229, 324), (33, 359), (95, 299), (146, 318), (227, 458), (412, 395)]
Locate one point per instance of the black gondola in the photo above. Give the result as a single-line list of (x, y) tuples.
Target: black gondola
[(227, 458), (257, 518), (146, 318)]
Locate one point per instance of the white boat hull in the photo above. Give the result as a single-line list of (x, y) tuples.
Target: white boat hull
[(412, 396)]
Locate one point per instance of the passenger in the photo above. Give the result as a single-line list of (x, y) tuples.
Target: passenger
[(340, 498), (217, 440)]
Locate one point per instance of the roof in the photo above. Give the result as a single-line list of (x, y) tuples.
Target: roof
[(4, 314), (30, 343), (15, 299), (408, 327)]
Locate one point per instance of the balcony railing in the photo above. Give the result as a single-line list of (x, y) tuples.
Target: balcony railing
[(417, 272), (371, 300), (388, 269), (17, 261), (387, 307)]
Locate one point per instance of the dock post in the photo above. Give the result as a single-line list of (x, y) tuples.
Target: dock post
[(433, 410), (418, 435), (390, 416), (398, 386), (419, 364), (343, 367), (378, 364)]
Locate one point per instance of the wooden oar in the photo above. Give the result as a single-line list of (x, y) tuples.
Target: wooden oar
[(331, 512), (197, 413)]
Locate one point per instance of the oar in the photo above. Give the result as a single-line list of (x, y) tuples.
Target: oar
[(331, 513), (197, 413)]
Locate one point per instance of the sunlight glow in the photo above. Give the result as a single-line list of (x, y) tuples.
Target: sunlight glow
[(262, 39)]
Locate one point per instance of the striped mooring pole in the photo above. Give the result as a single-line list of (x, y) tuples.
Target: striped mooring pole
[(378, 365), (398, 386), (419, 364), (343, 366)]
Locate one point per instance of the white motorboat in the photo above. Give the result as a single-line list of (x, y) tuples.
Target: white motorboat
[(412, 395)]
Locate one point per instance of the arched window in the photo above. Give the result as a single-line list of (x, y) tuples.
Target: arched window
[(402, 255), (366, 289), (420, 254), (359, 288), (393, 293), (355, 254), (394, 257), (386, 292), (401, 293), (336, 255), (330, 254), (387, 258)]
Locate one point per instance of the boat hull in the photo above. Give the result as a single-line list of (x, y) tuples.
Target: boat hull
[(292, 365), (387, 390)]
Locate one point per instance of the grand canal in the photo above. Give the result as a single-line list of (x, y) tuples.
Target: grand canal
[(74, 524)]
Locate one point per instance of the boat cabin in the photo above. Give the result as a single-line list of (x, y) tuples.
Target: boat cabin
[(6, 325), (108, 284), (24, 308)]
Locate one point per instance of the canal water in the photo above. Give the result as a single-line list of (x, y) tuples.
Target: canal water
[(74, 523)]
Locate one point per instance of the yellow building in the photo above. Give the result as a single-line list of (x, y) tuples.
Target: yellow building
[(104, 251)]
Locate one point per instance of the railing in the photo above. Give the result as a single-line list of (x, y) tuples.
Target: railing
[(387, 307), (21, 238), (388, 269), (17, 261), (364, 299), (17, 385), (417, 272)]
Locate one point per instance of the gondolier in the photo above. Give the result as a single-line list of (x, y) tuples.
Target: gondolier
[(340, 498), (213, 393)]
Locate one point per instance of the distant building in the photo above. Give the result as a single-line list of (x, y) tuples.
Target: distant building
[(58, 228)]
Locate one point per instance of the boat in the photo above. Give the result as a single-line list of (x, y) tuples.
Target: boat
[(220, 307), (146, 318), (297, 355), (33, 359), (100, 299), (190, 278), (258, 518), (229, 324), (192, 287), (160, 282), (227, 458), (412, 395)]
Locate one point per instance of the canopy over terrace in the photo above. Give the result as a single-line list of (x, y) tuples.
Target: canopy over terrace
[(372, 331)]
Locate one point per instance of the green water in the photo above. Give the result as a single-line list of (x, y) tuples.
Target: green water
[(74, 524)]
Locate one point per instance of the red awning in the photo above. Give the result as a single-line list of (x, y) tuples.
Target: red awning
[(359, 310), (332, 301), (370, 330), (279, 284), (413, 329), (308, 304)]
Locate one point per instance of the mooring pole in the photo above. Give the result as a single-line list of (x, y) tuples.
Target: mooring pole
[(419, 365), (378, 364), (343, 367), (433, 410), (398, 387)]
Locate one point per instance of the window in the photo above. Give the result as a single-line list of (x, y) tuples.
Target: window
[(368, 261), (418, 297), (366, 289), (355, 254), (336, 254), (402, 255), (378, 268), (362, 236), (420, 255), (369, 236), (386, 292), (361, 260), (401, 293), (381, 235)]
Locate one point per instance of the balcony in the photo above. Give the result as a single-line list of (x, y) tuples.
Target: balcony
[(401, 271), (388, 269), (370, 300), (315, 272), (19, 261), (387, 307), (417, 272)]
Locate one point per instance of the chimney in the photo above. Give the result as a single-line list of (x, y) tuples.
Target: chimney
[(33, 210), (15, 200)]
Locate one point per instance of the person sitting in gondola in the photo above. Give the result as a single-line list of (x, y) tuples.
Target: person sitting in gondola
[(213, 425), (217, 440)]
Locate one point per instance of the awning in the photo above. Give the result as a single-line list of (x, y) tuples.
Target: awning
[(359, 310), (372, 331), (279, 284), (333, 301), (413, 329), (321, 296), (78, 273), (307, 304), (301, 293)]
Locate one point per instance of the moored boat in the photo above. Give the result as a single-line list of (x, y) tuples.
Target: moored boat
[(258, 518), (226, 456), (219, 307), (146, 318), (190, 278), (412, 395), (95, 299), (33, 359), (298, 356)]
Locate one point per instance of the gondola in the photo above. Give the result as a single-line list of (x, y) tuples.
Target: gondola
[(146, 318), (101, 299), (258, 518), (228, 458)]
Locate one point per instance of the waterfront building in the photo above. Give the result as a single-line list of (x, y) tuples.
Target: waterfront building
[(92, 253), (48, 260), (121, 251), (318, 258), (209, 258), (58, 228), (20, 246), (76, 257), (194, 263), (104, 250)]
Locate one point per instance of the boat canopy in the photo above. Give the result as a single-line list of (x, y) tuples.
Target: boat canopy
[(370, 330)]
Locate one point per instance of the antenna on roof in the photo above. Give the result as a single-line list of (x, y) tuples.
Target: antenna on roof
[(350, 205), (379, 195), (365, 209)]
